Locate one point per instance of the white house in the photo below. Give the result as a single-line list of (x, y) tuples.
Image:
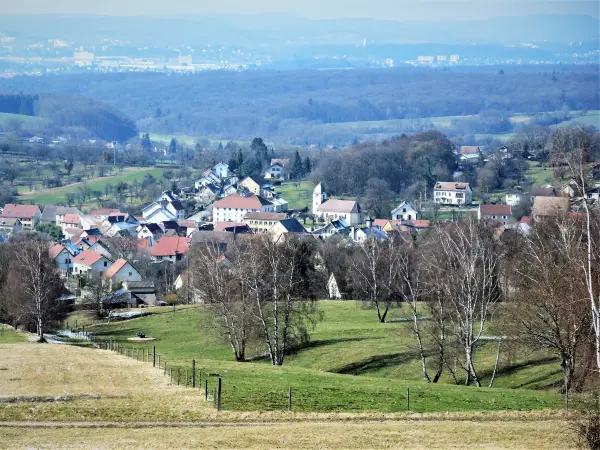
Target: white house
[(516, 196), (208, 177), (452, 193), (404, 211), (469, 153), (89, 263), (157, 213), (122, 271), (277, 171), (10, 226), (222, 170), (593, 194), (63, 258), (327, 210), (495, 213), (234, 207)]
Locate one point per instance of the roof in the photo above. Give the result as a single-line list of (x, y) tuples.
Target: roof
[(104, 212), (404, 204), (281, 161), (170, 246), (451, 186), (140, 284), (242, 202), (71, 218), (51, 211), (339, 206), (543, 192), (114, 269), (550, 206), (264, 216), (188, 223), (177, 205), (55, 250), (211, 236), (494, 210), (254, 180), (383, 222), (152, 227), (417, 223), (468, 149), (20, 211), (10, 221), (292, 226), (88, 258), (224, 226)]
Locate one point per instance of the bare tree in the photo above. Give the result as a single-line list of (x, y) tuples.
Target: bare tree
[(575, 148), (96, 298), (550, 292), (34, 280), (468, 266), (376, 269)]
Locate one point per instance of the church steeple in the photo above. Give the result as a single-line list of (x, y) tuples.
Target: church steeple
[(319, 197)]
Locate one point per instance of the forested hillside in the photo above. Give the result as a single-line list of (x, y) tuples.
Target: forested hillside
[(69, 114), (291, 106)]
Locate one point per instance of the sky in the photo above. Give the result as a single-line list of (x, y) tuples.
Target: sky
[(311, 9)]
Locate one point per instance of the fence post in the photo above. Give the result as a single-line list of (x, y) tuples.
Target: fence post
[(290, 399), (407, 398), (171, 374), (206, 390), (219, 397), (193, 373), (178, 375), (186, 377), (166, 370)]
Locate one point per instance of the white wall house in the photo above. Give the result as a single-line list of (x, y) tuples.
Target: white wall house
[(221, 170), (404, 211), (62, 258), (89, 263), (156, 213), (494, 213), (452, 193), (122, 271), (234, 207), (277, 172)]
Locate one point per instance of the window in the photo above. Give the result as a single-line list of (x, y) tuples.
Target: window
[(403, 210), (130, 273), (105, 264)]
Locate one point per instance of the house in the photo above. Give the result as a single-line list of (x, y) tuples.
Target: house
[(469, 153), (188, 225), (386, 225), (221, 170), (277, 171), (550, 206), (334, 227), (10, 226), (593, 194), (157, 212), (207, 193), (285, 226), (29, 215), (416, 225), (89, 263), (452, 193), (280, 204), (360, 235), (496, 213), (333, 289), (102, 213), (404, 211), (319, 197), (515, 196), (99, 247), (349, 210), (122, 271), (71, 221), (55, 214), (261, 222), (143, 293), (149, 230), (208, 177), (170, 248), (252, 185), (62, 258), (234, 207)]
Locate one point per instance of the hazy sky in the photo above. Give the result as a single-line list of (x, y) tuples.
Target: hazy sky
[(314, 9)]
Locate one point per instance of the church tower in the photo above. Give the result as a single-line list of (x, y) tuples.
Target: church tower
[(319, 197)]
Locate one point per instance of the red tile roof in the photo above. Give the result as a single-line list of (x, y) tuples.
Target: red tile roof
[(242, 202), (104, 212), (144, 243), (170, 246), (20, 211), (87, 258), (494, 210), (222, 226), (71, 218), (55, 250), (118, 265), (188, 223), (465, 149), (418, 223), (339, 206)]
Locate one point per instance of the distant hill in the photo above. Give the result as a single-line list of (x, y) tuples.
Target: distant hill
[(50, 113)]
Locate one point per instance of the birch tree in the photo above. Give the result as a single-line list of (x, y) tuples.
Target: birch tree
[(468, 265)]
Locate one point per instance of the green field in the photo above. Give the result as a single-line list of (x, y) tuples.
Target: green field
[(298, 194), (58, 195), (23, 120), (591, 119), (352, 364), (540, 175)]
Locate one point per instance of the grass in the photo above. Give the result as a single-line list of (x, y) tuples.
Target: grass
[(8, 335), (25, 121), (429, 434), (591, 119), (353, 364), (58, 195), (540, 175), (297, 194)]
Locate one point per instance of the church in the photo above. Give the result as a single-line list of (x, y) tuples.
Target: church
[(326, 210)]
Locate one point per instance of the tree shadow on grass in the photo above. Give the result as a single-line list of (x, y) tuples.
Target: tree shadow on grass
[(375, 363), (541, 382), (323, 342)]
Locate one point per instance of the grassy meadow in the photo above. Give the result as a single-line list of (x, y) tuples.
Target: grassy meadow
[(352, 364)]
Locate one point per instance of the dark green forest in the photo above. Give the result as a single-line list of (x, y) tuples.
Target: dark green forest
[(298, 106), (71, 114)]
